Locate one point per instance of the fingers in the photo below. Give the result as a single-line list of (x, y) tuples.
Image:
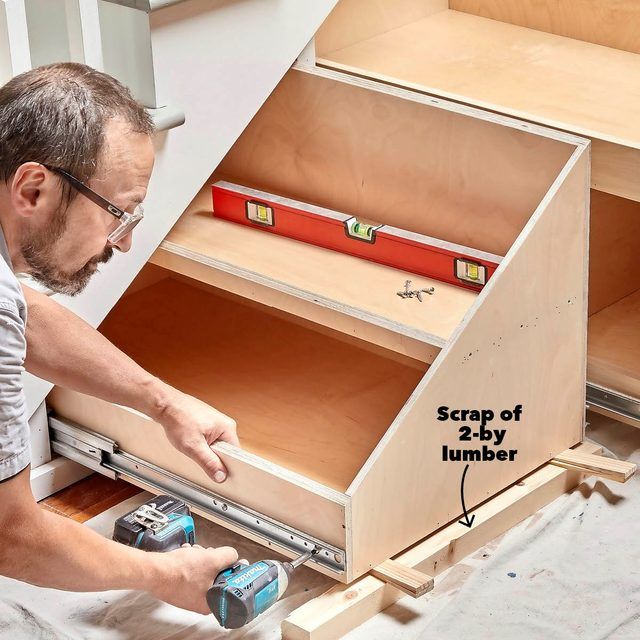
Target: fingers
[(221, 557), (225, 556), (229, 433), (209, 461)]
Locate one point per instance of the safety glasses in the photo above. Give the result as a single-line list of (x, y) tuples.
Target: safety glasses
[(127, 220)]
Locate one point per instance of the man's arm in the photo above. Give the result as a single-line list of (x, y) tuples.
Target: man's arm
[(67, 351), (48, 550)]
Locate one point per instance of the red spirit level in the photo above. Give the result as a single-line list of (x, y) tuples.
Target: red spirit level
[(405, 250)]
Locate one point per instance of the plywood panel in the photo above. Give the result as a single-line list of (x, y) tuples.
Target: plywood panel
[(611, 23), (615, 169), (614, 346), (393, 156), (613, 249), (355, 20), (511, 69), (524, 343)]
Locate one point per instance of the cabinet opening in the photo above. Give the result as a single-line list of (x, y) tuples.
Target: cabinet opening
[(614, 294), (304, 399)]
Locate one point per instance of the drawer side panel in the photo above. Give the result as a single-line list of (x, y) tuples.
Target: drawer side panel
[(252, 482)]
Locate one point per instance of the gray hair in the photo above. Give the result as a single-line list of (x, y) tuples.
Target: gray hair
[(56, 114)]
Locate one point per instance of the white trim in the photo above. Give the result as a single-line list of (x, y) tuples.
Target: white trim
[(56, 475)]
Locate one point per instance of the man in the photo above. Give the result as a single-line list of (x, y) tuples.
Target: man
[(75, 160)]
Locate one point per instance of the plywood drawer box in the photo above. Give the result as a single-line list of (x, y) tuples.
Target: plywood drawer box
[(574, 66), (334, 379)]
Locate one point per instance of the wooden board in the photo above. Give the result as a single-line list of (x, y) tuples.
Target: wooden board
[(533, 75), (524, 343), (613, 249), (614, 346), (357, 20), (603, 22), (406, 579), (228, 255), (615, 169), (341, 609), (397, 157), (608, 468)]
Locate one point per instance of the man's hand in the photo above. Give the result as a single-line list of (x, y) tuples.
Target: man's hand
[(49, 550), (183, 576), (192, 426)]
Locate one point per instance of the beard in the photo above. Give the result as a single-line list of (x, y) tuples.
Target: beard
[(38, 251)]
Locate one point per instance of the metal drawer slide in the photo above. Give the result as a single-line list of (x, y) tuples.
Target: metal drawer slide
[(103, 455), (614, 404)]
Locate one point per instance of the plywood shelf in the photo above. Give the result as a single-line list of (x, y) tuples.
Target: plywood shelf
[(582, 87), (614, 346), (346, 293), (295, 393)]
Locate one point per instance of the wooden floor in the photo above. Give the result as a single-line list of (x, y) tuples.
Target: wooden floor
[(89, 497)]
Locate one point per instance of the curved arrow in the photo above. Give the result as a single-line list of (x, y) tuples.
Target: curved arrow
[(468, 521)]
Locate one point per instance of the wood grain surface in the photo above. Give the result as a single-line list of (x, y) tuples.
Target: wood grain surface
[(88, 497)]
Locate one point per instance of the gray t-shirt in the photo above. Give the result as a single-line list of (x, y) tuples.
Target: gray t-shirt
[(15, 450)]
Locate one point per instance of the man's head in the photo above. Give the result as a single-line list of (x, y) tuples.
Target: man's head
[(72, 118)]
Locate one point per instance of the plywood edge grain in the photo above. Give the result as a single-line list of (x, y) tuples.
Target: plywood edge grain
[(407, 579)]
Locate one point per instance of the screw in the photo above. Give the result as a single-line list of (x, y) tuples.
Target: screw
[(407, 293), (224, 506)]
